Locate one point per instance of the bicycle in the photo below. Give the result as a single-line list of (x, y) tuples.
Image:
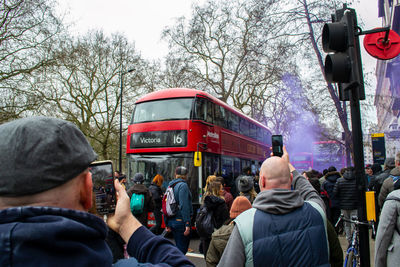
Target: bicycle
[(352, 253)]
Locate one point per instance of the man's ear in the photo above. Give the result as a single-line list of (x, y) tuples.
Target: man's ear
[(87, 191), (291, 178)]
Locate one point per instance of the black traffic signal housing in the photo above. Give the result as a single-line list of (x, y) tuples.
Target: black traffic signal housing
[(343, 63)]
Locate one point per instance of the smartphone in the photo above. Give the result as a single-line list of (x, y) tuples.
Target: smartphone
[(277, 144), (103, 187)]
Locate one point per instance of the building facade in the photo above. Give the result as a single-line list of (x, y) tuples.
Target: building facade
[(387, 96)]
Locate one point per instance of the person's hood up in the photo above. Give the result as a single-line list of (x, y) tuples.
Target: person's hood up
[(349, 175), (332, 176), (213, 201), (278, 201)]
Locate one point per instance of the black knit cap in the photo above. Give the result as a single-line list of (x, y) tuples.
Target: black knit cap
[(40, 153)]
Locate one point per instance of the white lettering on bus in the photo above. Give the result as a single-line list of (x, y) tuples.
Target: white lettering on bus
[(213, 135), (150, 140)]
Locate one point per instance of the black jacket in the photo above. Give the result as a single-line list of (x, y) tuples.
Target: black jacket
[(218, 206), (148, 201), (377, 181), (157, 195), (329, 184), (346, 191)]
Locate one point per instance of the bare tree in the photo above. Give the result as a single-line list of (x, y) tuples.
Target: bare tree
[(84, 87), (304, 21), (28, 32), (230, 49)]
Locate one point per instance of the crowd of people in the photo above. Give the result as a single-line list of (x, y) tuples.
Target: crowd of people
[(46, 215), (340, 193)]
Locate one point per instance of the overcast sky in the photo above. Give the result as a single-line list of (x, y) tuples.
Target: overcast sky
[(143, 21)]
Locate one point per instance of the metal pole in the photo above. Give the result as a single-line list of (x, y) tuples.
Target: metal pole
[(120, 124), (360, 175), (120, 119)]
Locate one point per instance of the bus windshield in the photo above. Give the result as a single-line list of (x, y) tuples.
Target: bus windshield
[(328, 154), (301, 158), (162, 110), (164, 164)]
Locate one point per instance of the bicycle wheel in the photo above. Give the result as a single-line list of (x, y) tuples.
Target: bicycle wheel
[(349, 259)]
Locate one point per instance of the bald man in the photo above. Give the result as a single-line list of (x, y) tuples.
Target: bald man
[(285, 227)]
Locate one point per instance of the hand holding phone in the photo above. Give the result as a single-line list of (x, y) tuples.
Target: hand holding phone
[(103, 186), (277, 144)]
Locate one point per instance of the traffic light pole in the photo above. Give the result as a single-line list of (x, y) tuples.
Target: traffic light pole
[(343, 66), (360, 175)]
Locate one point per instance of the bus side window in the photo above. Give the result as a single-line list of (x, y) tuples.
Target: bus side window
[(200, 109), (267, 137), (253, 131), (235, 122), (259, 134), (220, 116), (210, 112), (244, 127)]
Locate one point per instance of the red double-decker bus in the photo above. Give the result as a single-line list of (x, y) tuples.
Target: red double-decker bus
[(169, 127), (302, 161), (328, 153)]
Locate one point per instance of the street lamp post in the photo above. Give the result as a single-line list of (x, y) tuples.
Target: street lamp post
[(120, 118)]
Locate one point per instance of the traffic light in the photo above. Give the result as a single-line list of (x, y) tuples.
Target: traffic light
[(343, 63)]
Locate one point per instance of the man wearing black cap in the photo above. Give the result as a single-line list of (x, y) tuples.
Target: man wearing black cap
[(180, 223), (45, 192), (140, 189)]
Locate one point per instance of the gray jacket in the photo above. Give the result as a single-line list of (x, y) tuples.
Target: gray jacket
[(387, 242), (275, 201), (386, 189)]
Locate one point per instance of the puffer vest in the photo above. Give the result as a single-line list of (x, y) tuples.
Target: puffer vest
[(298, 238)]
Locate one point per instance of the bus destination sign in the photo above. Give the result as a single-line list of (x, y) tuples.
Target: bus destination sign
[(159, 139)]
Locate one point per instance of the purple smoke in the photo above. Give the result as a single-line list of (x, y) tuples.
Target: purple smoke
[(302, 122)]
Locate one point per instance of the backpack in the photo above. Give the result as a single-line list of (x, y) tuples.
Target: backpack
[(137, 203), (169, 205), (205, 222), (396, 184), (396, 199)]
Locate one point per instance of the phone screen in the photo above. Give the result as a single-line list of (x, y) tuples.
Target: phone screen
[(103, 187), (277, 144)]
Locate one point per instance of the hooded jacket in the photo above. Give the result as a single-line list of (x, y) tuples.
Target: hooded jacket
[(218, 243), (346, 191), (219, 209), (148, 201), (329, 184), (310, 248), (377, 181), (387, 188), (387, 242), (48, 236)]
